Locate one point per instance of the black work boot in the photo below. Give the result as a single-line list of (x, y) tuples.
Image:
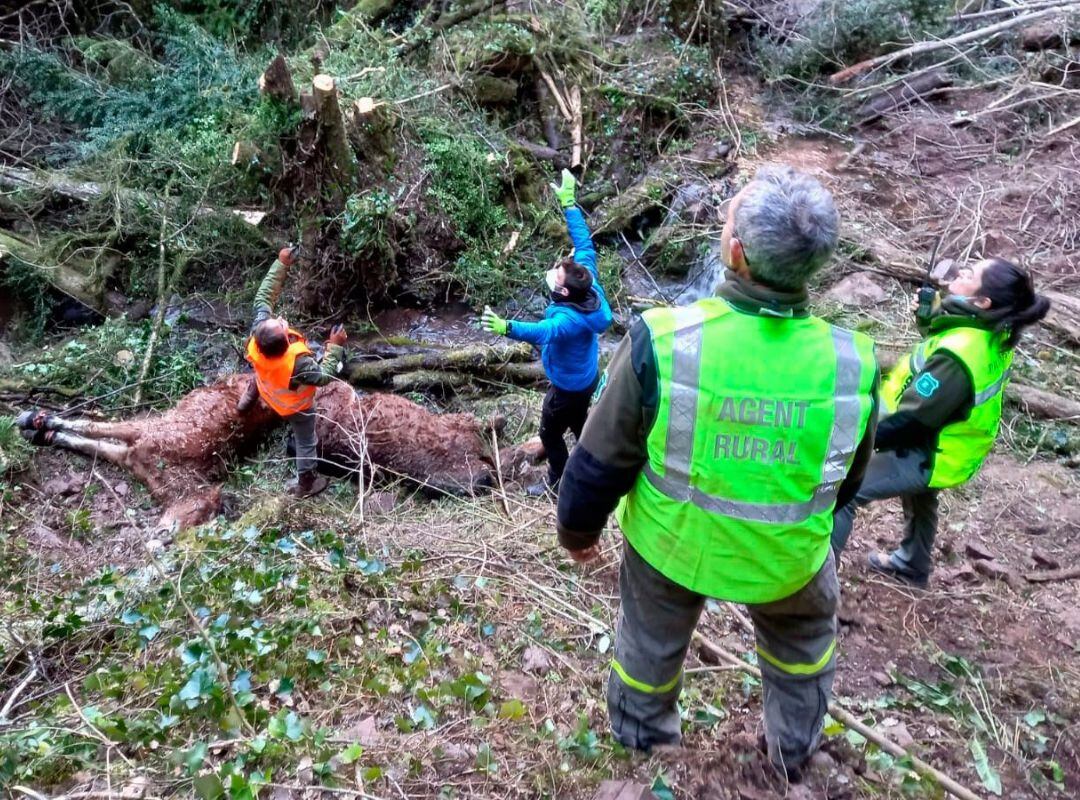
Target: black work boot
[(307, 484)]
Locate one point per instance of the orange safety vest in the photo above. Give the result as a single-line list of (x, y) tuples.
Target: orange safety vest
[(272, 376)]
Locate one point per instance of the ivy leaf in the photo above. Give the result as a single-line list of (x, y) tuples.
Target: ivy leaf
[(316, 656), (242, 681), (987, 774), (1034, 718), (208, 787), (294, 726), (413, 653), (422, 718), (286, 545), (350, 753), (194, 758), (148, 632), (660, 788), (485, 760), (131, 617), (512, 709)]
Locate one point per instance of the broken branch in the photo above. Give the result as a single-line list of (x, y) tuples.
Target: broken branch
[(921, 48), (1066, 574)]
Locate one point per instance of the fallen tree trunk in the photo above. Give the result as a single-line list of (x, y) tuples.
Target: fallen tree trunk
[(475, 359), (903, 95), (78, 278), (707, 160), (131, 201), (921, 48)]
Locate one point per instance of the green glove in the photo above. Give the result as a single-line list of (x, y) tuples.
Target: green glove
[(493, 323), (565, 192)]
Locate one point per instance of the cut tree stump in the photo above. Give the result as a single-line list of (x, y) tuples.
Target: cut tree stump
[(276, 82), (371, 130), (339, 154)]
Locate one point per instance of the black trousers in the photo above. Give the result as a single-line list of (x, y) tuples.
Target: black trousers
[(563, 411)]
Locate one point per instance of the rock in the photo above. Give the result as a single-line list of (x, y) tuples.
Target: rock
[(977, 550), (122, 489), (535, 660), (62, 485), (1044, 559), (822, 761), (365, 732), (899, 734), (623, 790), (518, 685), (997, 571), (964, 573), (379, 502), (881, 679), (858, 290)]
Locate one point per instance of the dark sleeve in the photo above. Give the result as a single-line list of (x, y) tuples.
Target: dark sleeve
[(613, 448), (853, 480), (308, 372), (941, 393)]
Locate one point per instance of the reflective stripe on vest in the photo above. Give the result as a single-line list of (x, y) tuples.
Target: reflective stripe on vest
[(685, 390), (273, 375), (962, 445), (757, 423)]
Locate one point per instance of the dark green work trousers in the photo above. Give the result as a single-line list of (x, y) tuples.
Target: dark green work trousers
[(796, 641)]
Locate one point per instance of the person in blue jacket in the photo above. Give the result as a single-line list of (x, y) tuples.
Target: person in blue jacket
[(568, 337)]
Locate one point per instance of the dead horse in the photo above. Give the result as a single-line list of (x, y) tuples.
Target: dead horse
[(183, 454)]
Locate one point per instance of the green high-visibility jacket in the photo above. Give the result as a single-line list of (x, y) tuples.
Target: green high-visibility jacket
[(757, 423), (962, 446)]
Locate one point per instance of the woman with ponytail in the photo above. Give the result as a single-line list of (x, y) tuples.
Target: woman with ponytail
[(941, 407)]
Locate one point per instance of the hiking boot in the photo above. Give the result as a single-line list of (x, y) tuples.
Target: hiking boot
[(880, 562), (307, 484)]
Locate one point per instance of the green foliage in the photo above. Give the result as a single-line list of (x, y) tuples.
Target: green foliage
[(104, 363), (467, 185), (27, 286), (842, 32), (364, 226), (15, 453), (184, 105)]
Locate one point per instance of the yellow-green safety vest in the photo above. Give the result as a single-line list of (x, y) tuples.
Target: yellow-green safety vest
[(962, 446), (757, 423)]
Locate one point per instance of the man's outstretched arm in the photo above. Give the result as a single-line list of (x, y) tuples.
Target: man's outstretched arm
[(273, 282)]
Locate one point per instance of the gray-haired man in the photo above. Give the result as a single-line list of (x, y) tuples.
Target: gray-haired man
[(730, 429)]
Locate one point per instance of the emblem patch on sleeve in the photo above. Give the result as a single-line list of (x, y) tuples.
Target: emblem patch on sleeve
[(926, 385)]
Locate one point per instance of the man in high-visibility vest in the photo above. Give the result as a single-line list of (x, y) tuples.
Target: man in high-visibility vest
[(287, 374), (726, 432)]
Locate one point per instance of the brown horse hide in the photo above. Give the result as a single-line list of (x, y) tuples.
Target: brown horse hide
[(183, 454)]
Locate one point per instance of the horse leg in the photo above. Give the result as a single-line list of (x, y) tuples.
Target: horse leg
[(113, 452), (128, 432)]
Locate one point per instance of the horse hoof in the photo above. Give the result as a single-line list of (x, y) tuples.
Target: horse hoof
[(33, 418), (38, 437)]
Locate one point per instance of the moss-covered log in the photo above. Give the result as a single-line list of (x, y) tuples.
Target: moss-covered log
[(706, 160), (79, 278), (474, 359)]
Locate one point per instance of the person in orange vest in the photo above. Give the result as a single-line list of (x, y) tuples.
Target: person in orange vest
[(287, 374)]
